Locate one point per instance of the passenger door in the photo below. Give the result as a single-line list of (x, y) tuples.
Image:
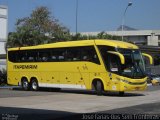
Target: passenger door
[(114, 69)]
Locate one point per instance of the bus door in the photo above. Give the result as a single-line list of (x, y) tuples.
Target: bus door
[(114, 69), (115, 61)]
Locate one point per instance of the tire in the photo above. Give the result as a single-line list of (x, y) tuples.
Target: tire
[(34, 85), (99, 88), (25, 84), (121, 93)]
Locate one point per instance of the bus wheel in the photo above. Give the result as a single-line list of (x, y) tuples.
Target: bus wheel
[(121, 93), (34, 85), (25, 84), (99, 88)]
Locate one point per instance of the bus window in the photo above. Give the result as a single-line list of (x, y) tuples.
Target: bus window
[(114, 63), (22, 56), (31, 56), (73, 54), (76, 54), (13, 56), (70, 55), (53, 57), (110, 60), (89, 54), (43, 55), (61, 54)]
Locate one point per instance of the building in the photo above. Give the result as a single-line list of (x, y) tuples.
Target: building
[(3, 35), (139, 37)]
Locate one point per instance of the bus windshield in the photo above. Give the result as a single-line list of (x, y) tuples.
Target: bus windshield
[(134, 64)]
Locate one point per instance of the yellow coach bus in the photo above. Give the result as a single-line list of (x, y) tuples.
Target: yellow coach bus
[(100, 65)]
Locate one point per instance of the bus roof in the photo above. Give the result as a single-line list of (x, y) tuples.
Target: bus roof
[(112, 43)]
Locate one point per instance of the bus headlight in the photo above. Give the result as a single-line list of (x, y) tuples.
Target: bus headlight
[(125, 81), (122, 80)]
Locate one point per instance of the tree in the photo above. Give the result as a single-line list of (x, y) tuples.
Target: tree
[(3, 77), (101, 35), (39, 28)]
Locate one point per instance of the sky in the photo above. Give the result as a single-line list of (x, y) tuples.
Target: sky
[(93, 15)]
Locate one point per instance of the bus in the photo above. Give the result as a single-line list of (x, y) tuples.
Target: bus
[(100, 65)]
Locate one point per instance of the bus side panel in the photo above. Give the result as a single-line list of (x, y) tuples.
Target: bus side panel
[(12, 75), (13, 78), (71, 75), (92, 72)]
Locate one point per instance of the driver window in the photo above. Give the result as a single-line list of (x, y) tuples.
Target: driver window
[(114, 63)]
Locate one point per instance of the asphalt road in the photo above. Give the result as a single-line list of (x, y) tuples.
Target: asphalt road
[(46, 104)]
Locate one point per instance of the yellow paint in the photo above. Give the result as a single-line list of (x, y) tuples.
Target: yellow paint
[(120, 56), (75, 73), (149, 57), (155, 82)]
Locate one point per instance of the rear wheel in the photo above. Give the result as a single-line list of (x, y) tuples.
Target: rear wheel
[(25, 84), (34, 85)]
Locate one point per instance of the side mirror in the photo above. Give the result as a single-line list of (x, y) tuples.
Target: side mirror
[(149, 57), (119, 55)]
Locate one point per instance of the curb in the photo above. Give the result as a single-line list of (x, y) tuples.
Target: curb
[(9, 87)]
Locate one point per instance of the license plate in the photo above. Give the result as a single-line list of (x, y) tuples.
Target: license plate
[(137, 88)]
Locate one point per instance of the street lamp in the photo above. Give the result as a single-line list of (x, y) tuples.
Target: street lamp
[(76, 16), (123, 19)]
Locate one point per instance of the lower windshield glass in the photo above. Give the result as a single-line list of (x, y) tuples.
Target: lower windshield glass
[(134, 64)]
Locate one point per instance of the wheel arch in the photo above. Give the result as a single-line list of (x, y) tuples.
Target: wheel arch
[(33, 78), (24, 77), (94, 82)]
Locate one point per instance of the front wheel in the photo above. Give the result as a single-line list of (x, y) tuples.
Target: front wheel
[(99, 88), (34, 85)]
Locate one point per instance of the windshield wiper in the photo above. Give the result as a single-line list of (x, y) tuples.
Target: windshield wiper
[(140, 68), (137, 69)]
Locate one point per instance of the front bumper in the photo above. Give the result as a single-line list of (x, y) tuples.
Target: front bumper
[(133, 86)]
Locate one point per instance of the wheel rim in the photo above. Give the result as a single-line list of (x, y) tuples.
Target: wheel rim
[(25, 84), (34, 86)]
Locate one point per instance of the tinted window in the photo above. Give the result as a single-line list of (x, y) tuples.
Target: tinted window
[(55, 55), (89, 54), (12, 56), (106, 56), (74, 54), (43, 55)]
